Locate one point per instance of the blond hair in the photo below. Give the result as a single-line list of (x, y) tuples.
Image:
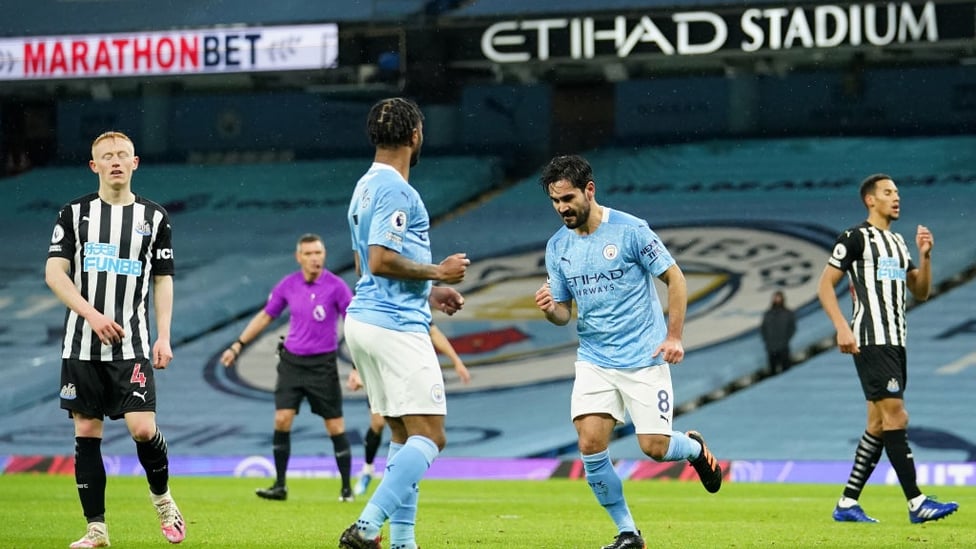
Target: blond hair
[(111, 134)]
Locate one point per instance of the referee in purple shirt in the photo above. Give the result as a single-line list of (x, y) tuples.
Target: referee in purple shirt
[(307, 357)]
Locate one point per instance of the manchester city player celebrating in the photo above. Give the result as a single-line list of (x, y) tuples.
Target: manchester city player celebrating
[(605, 260), (388, 321)]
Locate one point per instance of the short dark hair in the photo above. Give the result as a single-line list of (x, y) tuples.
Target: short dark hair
[(870, 182), (392, 121), (571, 167), (308, 237)]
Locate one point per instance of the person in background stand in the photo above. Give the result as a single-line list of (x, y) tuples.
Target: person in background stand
[(374, 434), (778, 327), (307, 366)]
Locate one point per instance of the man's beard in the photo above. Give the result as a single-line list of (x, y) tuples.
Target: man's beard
[(581, 216)]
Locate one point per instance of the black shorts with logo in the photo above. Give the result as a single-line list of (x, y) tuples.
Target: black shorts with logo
[(315, 377), (115, 388), (883, 370)]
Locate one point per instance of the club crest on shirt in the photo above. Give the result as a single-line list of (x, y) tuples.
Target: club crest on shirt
[(143, 228), (610, 252)]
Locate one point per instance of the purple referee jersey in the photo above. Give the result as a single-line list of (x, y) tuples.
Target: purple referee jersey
[(315, 311)]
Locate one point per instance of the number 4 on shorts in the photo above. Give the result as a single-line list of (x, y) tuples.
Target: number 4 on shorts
[(137, 375)]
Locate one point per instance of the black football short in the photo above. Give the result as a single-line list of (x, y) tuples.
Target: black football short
[(883, 370), (98, 389), (314, 377)]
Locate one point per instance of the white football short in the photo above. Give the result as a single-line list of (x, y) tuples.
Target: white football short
[(645, 393), (400, 370)]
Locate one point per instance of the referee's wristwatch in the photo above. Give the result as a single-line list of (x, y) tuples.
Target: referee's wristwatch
[(239, 349)]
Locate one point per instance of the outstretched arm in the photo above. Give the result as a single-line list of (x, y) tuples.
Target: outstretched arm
[(253, 329)]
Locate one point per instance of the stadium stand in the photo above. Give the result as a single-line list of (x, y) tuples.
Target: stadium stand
[(800, 191), (742, 217)]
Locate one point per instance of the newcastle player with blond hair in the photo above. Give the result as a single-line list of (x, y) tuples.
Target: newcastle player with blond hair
[(108, 248)]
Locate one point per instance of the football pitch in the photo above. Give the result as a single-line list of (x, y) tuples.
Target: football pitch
[(42, 511)]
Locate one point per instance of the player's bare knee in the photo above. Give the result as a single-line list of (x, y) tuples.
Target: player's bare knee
[(437, 437), (590, 447), (896, 422), (283, 420), (655, 454), (143, 432), (335, 426), (655, 447)]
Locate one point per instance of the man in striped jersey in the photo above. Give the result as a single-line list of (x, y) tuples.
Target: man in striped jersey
[(880, 269), (107, 248)]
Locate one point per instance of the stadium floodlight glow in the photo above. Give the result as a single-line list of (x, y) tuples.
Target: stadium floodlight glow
[(182, 52)]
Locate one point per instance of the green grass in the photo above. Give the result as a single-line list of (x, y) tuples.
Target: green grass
[(40, 511)]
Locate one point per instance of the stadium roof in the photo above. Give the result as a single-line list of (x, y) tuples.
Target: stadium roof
[(495, 8), (59, 17)]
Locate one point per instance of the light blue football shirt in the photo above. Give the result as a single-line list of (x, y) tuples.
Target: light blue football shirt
[(610, 274), (386, 211)]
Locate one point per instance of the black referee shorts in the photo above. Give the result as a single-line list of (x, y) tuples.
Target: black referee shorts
[(314, 377)]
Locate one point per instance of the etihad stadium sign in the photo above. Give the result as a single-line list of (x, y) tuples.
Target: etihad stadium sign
[(746, 30)]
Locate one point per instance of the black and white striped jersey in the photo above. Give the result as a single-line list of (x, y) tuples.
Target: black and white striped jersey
[(115, 251), (877, 263)]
